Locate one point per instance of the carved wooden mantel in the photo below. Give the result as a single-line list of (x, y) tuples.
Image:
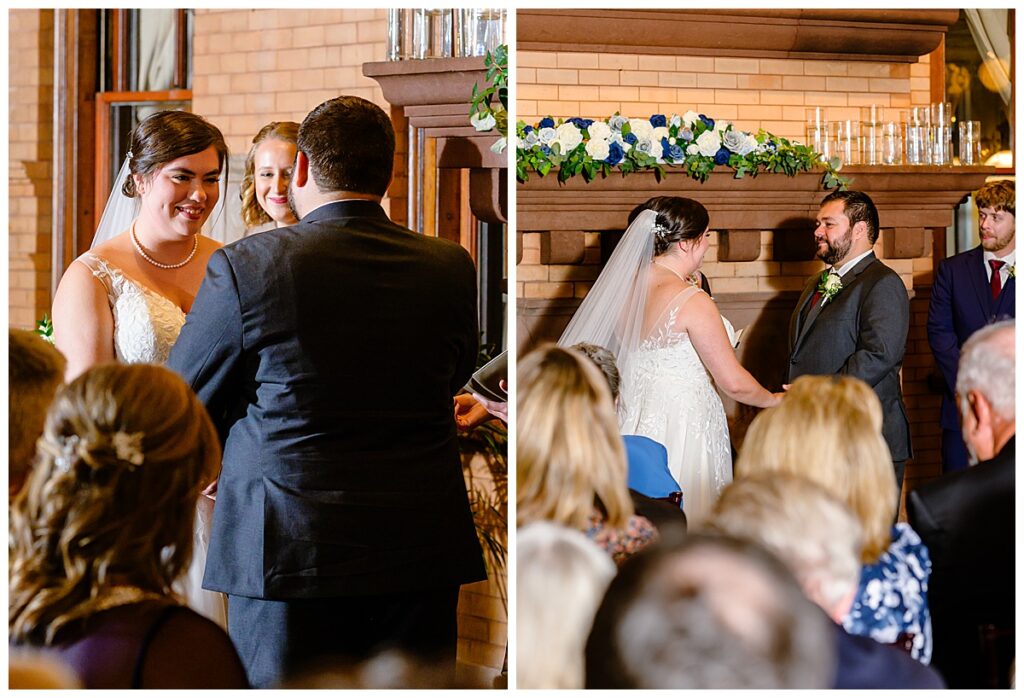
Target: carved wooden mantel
[(890, 36), (435, 96)]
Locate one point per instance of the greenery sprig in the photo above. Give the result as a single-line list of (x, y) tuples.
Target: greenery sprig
[(489, 106), (44, 328), (693, 143)]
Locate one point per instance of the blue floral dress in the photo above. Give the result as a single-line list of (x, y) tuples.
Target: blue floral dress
[(892, 599)]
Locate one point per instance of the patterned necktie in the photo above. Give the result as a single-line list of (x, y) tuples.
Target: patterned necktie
[(997, 281)]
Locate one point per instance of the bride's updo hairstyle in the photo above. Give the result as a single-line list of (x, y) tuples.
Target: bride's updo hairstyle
[(682, 219), (166, 136), (570, 457), (125, 453)]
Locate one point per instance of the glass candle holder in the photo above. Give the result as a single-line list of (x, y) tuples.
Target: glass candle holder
[(817, 132), (432, 33), (892, 146), (846, 135), (970, 142)]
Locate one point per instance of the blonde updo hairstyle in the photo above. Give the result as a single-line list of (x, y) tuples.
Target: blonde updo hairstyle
[(570, 456), (828, 429), (252, 213), (90, 517)]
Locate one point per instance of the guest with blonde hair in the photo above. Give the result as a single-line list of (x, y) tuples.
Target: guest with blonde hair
[(560, 579), (571, 464), (104, 527), (268, 170), (829, 430), (35, 370), (773, 510)]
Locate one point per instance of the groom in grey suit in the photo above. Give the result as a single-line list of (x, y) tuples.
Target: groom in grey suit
[(853, 319)]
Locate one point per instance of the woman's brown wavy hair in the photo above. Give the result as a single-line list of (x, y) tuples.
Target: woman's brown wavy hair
[(252, 213), (88, 518)]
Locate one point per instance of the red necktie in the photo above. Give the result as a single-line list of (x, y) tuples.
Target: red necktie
[(997, 282)]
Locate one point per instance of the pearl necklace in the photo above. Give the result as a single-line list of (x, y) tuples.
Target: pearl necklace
[(142, 253), (692, 280)]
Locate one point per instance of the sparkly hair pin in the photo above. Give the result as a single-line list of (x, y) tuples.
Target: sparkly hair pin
[(68, 451), (129, 155), (660, 231)]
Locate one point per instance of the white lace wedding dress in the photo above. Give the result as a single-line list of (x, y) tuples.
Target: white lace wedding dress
[(146, 325), (669, 396)]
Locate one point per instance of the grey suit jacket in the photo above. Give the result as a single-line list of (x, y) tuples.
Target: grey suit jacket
[(861, 332)]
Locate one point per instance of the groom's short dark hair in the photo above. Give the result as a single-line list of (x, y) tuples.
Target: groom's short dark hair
[(350, 143), (858, 207)]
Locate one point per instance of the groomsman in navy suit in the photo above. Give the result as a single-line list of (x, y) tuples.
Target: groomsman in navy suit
[(972, 289)]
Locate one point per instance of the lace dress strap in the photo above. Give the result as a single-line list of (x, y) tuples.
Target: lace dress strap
[(104, 271), (674, 304)]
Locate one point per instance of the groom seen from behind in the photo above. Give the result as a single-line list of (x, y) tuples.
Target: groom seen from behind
[(327, 353), (853, 319)]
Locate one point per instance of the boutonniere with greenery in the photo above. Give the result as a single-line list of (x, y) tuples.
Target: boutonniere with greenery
[(44, 328), (486, 114), (691, 143), (1012, 271), (829, 285)]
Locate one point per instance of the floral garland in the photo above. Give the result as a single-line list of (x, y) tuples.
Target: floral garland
[(484, 113), (692, 142)]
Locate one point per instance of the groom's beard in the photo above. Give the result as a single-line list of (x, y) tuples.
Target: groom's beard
[(833, 253), (291, 202)]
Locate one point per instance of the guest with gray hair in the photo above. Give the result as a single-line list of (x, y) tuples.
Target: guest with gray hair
[(967, 521), (712, 612), (773, 511), (560, 578)]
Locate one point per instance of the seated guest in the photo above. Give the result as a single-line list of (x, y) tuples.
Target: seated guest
[(967, 518), (570, 464), (819, 539), (35, 371), (105, 527), (560, 579), (647, 459), (712, 612), (829, 430)]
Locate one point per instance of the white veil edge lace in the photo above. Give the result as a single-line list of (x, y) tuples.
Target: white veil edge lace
[(612, 313), (121, 210)]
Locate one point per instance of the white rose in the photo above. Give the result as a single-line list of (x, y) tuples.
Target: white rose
[(659, 133), (708, 144), (692, 149), (720, 126), (675, 120), (690, 118), (569, 137), (598, 148), (547, 136), (599, 130), (738, 142), (482, 123), (641, 128)]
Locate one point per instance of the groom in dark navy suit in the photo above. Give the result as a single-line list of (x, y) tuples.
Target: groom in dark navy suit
[(328, 353), (972, 289), (854, 318)]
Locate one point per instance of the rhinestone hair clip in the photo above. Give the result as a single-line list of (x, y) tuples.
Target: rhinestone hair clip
[(660, 231), (127, 447)]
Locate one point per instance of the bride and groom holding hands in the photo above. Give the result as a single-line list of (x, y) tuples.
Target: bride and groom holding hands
[(327, 353), (672, 344)]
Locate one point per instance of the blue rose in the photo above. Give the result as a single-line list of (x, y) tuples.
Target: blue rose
[(528, 129), (685, 134), (630, 138), (617, 122), (671, 152), (615, 154), (545, 149), (581, 124), (722, 156), (547, 122), (709, 123), (658, 120)]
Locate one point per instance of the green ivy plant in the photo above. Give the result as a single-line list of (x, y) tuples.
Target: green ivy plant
[(488, 109)]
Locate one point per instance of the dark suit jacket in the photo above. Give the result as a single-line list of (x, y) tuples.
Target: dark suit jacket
[(864, 663), (961, 304), (861, 332), (967, 521), (327, 354)]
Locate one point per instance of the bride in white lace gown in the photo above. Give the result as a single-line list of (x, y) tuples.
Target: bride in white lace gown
[(671, 343), (127, 297)]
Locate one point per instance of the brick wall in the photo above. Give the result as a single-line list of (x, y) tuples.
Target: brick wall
[(30, 119), (752, 93)]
